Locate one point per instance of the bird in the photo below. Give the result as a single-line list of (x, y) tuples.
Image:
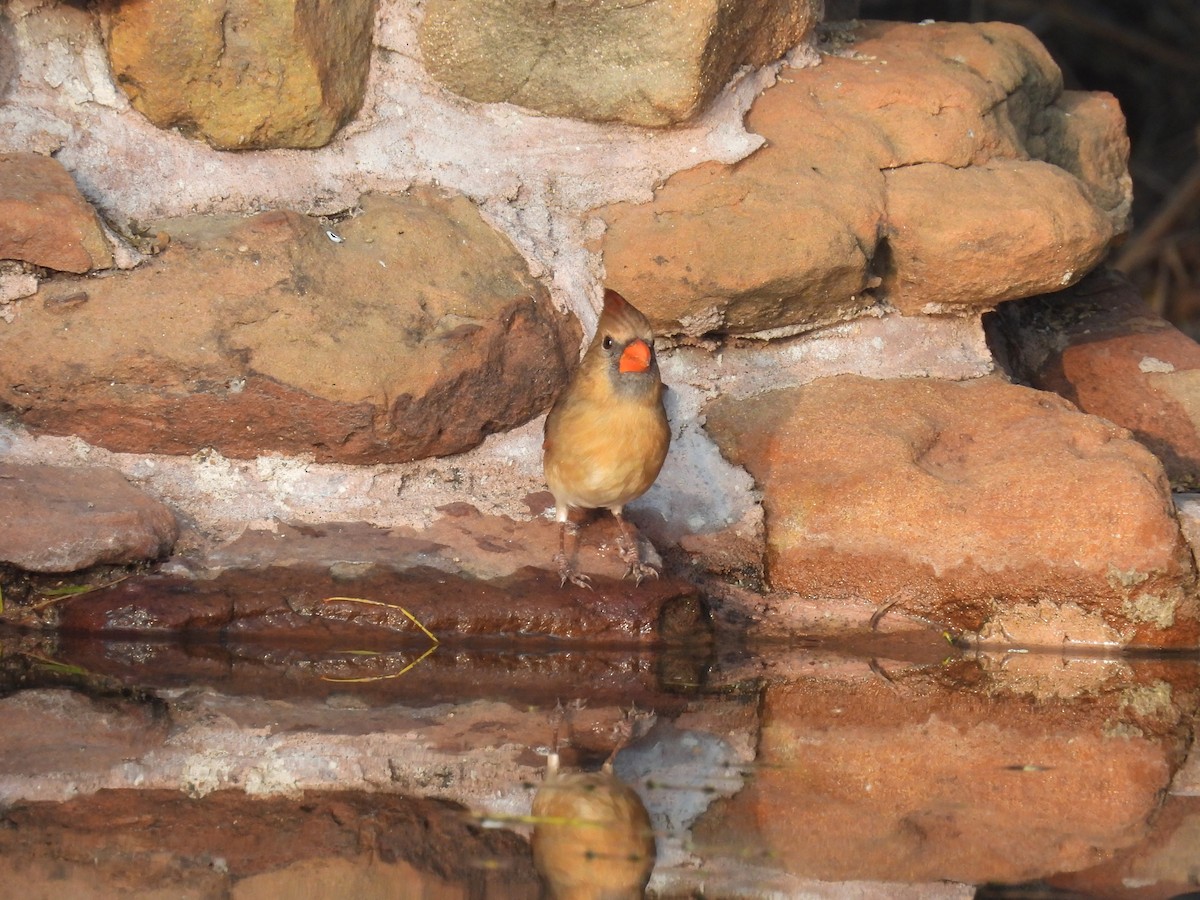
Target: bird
[(607, 434), (592, 835)]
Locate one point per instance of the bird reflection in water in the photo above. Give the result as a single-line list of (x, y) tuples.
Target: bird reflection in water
[(592, 838)]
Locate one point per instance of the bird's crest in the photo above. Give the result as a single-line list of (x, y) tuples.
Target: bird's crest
[(621, 315)]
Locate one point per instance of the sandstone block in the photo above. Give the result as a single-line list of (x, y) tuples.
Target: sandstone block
[(1085, 134), (971, 238), (1164, 865), (52, 731), (979, 505), (412, 330), (770, 246), (45, 220), (1100, 346), (57, 519), (644, 64), (882, 171), (243, 75)]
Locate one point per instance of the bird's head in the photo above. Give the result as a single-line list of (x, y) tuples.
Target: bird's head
[(625, 342)]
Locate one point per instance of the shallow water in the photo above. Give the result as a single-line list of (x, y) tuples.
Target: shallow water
[(893, 769)]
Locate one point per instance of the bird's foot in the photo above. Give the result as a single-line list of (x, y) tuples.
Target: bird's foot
[(630, 555), (640, 570), (568, 572)]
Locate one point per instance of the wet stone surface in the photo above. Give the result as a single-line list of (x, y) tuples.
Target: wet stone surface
[(384, 608)]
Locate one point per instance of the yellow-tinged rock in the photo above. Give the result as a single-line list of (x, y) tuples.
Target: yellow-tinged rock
[(243, 74)]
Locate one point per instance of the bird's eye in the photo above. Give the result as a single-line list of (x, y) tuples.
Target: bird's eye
[(607, 342)]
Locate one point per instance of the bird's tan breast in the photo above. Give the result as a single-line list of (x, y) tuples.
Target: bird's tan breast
[(605, 455)]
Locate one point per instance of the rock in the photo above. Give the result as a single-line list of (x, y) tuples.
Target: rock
[(954, 776), (412, 330), (59, 519), (1187, 508), (882, 171), (766, 246), (1101, 346), (243, 75), (979, 505), (642, 64), (17, 280), (292, 603), (1085, 134), (459, 541), (1018, 228), (45, 220), (282, 717), (1164, 865)]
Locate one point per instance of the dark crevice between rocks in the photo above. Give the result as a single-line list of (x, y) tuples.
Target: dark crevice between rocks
[(1003, 345), (881, 268), (30, 662)]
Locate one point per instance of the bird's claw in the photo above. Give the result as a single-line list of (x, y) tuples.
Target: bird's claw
[(568, 572), (576, 578), (630, 555), (640, 570)]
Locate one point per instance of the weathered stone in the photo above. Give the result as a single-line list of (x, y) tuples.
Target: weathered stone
[(57, 519), (1164, 865), (17, 280), (1187, 509), (460, 541), (412, 330), (45, 220), (766, 246), (946, 92), (883, 171), (963, 239), (1085, 134), (979, 505), (1102, 347), (240, 74), (643, 64), (282, 717), (915, 778)]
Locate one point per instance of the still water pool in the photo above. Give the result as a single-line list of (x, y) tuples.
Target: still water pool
[(903, 767)]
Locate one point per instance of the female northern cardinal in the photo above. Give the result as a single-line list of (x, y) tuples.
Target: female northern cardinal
[(607, 433)]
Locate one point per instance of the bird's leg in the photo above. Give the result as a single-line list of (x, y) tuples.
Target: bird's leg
[(564, 561), (558, 717), (627, 545)]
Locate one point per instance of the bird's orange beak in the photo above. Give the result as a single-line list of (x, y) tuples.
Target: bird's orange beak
[(636, 357)]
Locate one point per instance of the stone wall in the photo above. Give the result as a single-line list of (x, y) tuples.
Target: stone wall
[(332, 262)]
